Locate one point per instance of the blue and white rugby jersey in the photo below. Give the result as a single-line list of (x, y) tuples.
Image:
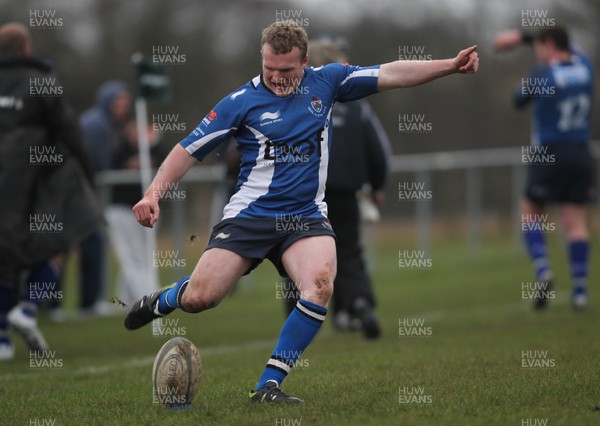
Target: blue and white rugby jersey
[(284, 141), (562, 95)]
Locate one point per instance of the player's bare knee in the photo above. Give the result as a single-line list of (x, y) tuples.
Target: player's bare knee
[(323, 282), (194, 302)]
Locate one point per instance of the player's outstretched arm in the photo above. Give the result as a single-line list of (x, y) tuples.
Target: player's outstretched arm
[(398, 74), (177, 163), (509, 40)]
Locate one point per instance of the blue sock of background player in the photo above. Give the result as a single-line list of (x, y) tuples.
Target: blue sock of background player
[(578, 259), (536, 247), (42, 284)]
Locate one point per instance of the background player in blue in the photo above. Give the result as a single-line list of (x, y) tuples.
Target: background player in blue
[(281, 121), (561, 167)]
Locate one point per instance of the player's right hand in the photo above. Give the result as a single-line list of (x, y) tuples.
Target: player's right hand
[(147, 211)]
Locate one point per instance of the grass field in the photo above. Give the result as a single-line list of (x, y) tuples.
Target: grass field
[(466, 370)]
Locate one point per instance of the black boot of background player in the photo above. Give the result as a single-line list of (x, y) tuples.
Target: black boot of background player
[(543, 295), (369, 323)]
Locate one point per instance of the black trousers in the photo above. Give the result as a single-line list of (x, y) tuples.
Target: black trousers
[(92, 252)]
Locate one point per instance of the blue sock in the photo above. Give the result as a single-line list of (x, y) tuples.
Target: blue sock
[(536, 247), (41, 284), (170, 298), (578, 258), (298, 331)]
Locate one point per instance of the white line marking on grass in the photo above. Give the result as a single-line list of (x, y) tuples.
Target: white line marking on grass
[(431, 316), (94, 370)]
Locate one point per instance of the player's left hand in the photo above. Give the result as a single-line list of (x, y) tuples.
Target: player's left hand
[(467, 61)]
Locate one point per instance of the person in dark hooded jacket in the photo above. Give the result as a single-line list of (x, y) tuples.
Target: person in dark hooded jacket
[(45, 179), (102, 126)]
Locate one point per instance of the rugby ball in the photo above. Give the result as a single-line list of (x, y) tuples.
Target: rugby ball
[(176, 373)]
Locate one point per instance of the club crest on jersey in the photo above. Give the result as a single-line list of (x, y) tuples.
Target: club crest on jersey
[(316, 104), (316, 107)]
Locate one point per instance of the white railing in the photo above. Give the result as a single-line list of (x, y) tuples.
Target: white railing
[(422, 165)]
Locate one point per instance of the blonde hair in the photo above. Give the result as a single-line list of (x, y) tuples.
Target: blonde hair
[(323, 52), (283, 36)]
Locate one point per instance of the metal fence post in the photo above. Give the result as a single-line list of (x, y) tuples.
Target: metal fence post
[(423, 214), (474, 203)]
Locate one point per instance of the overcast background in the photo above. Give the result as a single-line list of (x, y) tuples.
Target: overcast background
[(220, 41)]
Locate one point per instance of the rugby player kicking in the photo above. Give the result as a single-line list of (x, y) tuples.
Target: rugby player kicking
[(281, 121)]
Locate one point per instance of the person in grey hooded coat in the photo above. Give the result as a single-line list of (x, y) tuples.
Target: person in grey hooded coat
[(102, 126)]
